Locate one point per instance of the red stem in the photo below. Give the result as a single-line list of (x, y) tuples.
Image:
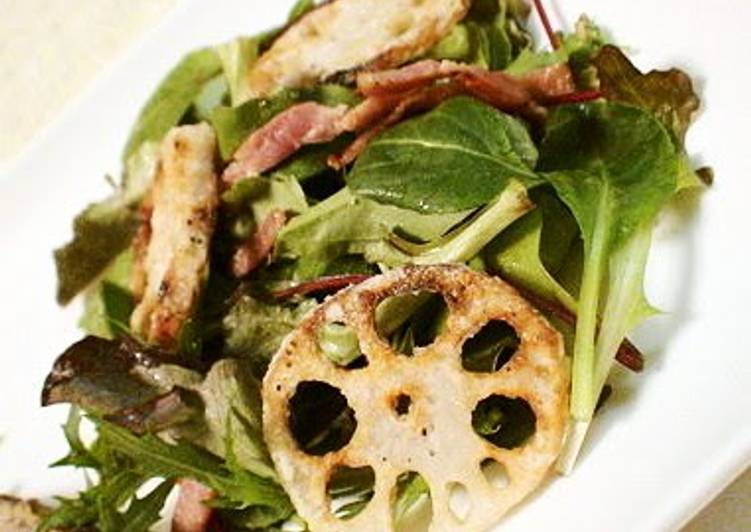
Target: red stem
[(576, 97), (555, 42), (332, 283), (628, 354)]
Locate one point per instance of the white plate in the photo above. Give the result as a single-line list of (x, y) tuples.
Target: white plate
[(667, 442)]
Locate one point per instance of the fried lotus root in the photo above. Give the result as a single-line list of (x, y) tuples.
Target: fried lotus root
[(347, 34), (435, 436)]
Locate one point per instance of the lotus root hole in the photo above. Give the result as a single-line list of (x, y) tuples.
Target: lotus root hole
[(490, 348), (503, 421), (495, 473), (407, 513), (320, 418), (460, 502), (349, 490), (427, 312)]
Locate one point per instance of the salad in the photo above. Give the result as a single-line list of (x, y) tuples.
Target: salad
[(369, 270)]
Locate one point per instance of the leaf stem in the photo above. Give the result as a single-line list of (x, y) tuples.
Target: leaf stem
[(555, 41), (583, 393)]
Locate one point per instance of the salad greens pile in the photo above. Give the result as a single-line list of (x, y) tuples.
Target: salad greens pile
[(561, 208)]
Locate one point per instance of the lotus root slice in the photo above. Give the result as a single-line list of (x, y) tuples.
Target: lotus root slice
[(435, 437)]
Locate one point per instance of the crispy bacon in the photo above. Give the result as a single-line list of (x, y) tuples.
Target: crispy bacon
[(251, 254), (283, 135), (191, 513), (497, 89), (409, 77), (540, 84), (390, 96), (549, 83)]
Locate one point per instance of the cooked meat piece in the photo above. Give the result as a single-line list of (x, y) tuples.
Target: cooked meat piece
[(251, 254), (283, 135), (497, 89), (409, 77), (184, 201), (191, 512), (547, 84), (392, 95), (346, 34)]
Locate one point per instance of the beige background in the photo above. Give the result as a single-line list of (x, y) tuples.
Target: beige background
[(50, 50)]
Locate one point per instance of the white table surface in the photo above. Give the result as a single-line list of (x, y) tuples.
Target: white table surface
[(51, 50)]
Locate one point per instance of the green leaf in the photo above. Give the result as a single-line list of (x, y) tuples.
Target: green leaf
[(490, 36), (300, 9), (109, 303), (237, 57), (668, 94), (173, 98), (142, 513), (577, 48), (263, 195), (212, 95), (254, 330), (346, 224), (459, 156), (79, 455), (456, 45), (515, 254), (171, 461), (103, 230), (462, 243), (311, 161), (234, 124), (232, 399), (411, 490), (615, 167)]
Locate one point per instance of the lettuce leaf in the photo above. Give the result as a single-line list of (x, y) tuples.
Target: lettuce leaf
[(173, 98), (254, 329), (346, 224), (668, 94), (459, 156), (109, 303), (103, 230), (463, 242), (491, 35), (615, 166), (577, 48), (516, 255)]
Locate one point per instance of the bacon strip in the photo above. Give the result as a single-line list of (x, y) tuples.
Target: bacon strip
[(549, 83), (258, 247), (283, 135), (191, 514), (409, 77), (391, 95)]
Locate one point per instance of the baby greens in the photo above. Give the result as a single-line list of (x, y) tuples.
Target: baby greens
[(562, 206), (458, 156), (615, 167)]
